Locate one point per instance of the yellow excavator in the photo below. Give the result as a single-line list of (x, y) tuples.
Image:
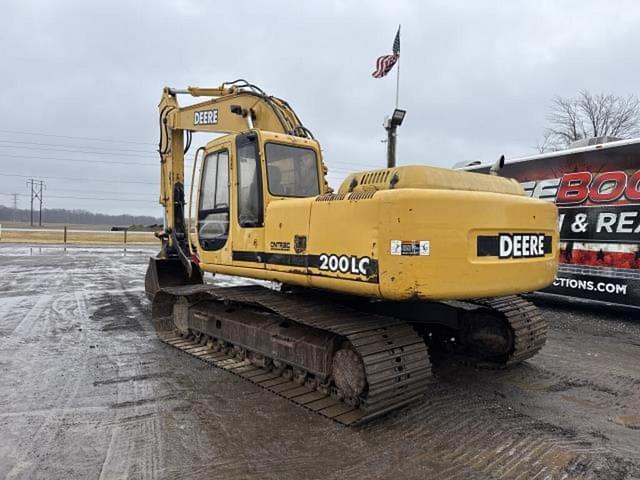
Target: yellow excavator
[(365, 286)]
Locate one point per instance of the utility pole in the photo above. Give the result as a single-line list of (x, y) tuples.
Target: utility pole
[(30, 184), (15, 206), (37, 187)]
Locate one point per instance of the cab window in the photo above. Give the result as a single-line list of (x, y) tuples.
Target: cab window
[(292, 171), (249, 182), (213, 209)]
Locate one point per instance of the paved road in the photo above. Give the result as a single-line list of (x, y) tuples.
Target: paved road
[(88, 392)]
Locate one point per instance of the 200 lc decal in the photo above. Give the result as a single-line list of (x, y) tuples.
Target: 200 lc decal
[(345, 264)]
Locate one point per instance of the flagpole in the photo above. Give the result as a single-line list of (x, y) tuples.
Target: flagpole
[(398, 83), (398, 76), (391, 124)]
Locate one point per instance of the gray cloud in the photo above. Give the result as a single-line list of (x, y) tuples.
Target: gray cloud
[(476, 78)]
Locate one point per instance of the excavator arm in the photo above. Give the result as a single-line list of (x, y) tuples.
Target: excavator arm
[(231, 108)]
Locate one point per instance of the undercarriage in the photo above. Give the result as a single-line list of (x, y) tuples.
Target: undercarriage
[(346, 359)]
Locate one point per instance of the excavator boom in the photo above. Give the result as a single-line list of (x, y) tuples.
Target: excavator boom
[(233, 107)]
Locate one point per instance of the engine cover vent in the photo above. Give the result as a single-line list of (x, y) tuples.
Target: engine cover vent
[(375, 177), (362, 195), (330, 197)]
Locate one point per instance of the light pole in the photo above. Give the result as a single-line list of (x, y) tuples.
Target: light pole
[(391, 126)]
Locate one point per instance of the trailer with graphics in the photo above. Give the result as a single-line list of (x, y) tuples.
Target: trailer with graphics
[(597, 190)]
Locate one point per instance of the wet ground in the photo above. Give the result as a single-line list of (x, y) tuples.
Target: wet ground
[(88, 392)]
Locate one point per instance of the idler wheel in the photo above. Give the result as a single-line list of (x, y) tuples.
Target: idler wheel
[(348, 373), (488, 335)]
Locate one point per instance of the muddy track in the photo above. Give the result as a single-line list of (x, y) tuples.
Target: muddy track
[(395, 358), (89, 392)]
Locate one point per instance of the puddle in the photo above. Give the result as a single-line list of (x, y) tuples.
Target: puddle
[(629, 421)]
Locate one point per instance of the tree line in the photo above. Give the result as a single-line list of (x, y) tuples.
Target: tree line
[(64, 216)]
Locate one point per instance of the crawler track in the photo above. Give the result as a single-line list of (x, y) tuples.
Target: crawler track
[(528, 326), (395, 358)]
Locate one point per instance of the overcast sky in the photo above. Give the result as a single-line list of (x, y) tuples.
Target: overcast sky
[(476, 79)]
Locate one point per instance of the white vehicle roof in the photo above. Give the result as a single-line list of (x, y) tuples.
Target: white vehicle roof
[(474, 164)]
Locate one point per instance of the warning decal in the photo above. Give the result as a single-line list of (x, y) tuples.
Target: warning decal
[(410, 247)]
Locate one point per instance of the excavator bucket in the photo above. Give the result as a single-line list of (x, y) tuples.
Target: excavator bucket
[(168, 272)]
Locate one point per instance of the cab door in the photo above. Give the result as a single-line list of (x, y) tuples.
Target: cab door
[(248, 194), (211, 209)]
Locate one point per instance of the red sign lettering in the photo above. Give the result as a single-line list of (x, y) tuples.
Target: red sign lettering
[(574, 188), (608, 187)]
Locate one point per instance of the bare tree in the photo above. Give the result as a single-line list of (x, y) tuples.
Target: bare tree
[(545, 145), (589, 115)]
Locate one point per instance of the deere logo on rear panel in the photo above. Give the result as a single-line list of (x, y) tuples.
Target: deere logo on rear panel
[(520, 245), (514, 245)]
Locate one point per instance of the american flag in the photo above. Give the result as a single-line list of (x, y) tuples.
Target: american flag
[(385, 63)]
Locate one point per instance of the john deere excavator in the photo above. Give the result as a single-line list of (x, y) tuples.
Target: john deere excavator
[(397, 267)]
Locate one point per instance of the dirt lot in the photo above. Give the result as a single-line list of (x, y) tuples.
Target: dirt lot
[(88, 392)]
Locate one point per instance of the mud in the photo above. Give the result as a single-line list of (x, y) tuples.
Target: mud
[(88, 392)]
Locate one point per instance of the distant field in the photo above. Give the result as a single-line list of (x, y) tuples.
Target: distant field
[(55, 226), (73, 236)]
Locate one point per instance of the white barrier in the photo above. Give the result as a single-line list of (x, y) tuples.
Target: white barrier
[(65, 232), (46, 230)]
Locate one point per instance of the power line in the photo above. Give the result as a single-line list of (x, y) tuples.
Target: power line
[(72, 190), (86, 198), (92, 152), (111, 140), (85, 191), (79, 160), (188, 165), (85, 179), (351, 167), (114, 152), (66, 145), (103, 199), (347, 166), (74, 137)]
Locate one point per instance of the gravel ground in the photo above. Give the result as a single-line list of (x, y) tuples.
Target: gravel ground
[(88, 392)]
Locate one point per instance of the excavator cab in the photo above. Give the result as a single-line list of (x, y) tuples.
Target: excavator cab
[(235, 179), (228, 171)]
